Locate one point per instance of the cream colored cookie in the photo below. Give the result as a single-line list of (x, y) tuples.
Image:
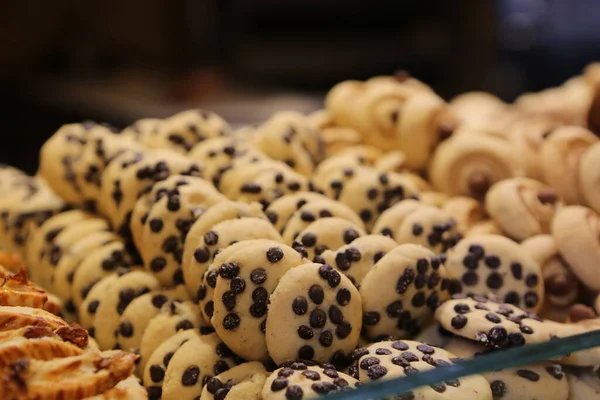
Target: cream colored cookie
[(466, 211), (394, 217), (393, 359), (174, 317), (324, 234), (246, 280), (244, 381), (314, 314), (357, 258), (576, 230), (88, 308), (192, 365), (302, 381), (281, 210), (486, 264), (400, 293), (589, 176)]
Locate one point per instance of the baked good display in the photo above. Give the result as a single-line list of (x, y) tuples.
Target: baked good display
[(389, 233)]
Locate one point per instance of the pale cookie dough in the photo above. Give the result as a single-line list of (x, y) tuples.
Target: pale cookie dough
[(313, 210), (99, 263), (470, 163), (245, 282), (218, 237), (114, 301), (486, 264), (400, 293), (301, 381), (192, 365), (167, 226), (576, 230), (466, 211), (522, 207), (560, 158), (356, 259), (527, 382), (242, 382), (209, 280), (154, 372), (174, 317), (589, 176), (324, 234), (268, 186), (393, 359), (89, 307), (138, 314), (392, 218), (435, 199), (314, 314), (560, 284), (281, 210)]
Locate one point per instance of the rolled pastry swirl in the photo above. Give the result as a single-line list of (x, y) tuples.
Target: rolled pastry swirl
[(468, 164), (334, 137), (589, 176), (560, 159), (522, 207)]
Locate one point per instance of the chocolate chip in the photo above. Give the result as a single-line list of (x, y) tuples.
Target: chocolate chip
[(438, 387), (462, 308), (308, 239), (258, 310), (316, 294), (306, 353), (93, 306), (228, 299), (405, 280), (349, 235), (494, 281), (279, 384), (492, 262), (529, 375), (323, 387), (317, 318), (335, 315), (410, 356), (530, 299), (343, 296), (190, 376), (517, 270), (400, 345), (326, 338), (231, 321), (417, 229), (260, 295), (418, 299), (531, 280), (425, 349), (513, 298), (516, 339), (493, 318), (459, 321), (258, 276), (211, 238), (376, 372), (237, 285), (157, 373), (498, 389), (156, 225), (343, 330), (305, 332), (394, 308), (470, 278), (274, 254), (371, 318), (158, 264), (555, 371), (229, 270), (300, 305)]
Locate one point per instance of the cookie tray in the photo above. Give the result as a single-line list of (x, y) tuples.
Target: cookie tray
[(481, 364)]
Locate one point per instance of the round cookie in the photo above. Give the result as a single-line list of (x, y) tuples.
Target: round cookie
[(393, 359), (392, 218), (314, 314), (193, 365), (123, 189), (138, 314), (51, 254), (101, 148), (89, 307), (166, 228), (242, 172), (217, 237), (209, 280), (242, 382), (589, 176), (270, 185), (470, 163), (143, 130), (401, 292), (430, 227), (483, 264), (301, 381), (57, 156), (369, 193), (356, 259), (174, 317), (114, 301), (576, 230), (282, 209), (64, 273), (317, 209), (97, 264), (326, 233), (435, 199), (246, 280), (522, 207), (154, 372), (560, 158), (45, 235), (527, 382)]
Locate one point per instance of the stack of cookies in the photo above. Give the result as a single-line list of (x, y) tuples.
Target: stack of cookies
[(390, 233)]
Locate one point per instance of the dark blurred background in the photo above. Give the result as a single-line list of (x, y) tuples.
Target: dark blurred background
[(119, 60)]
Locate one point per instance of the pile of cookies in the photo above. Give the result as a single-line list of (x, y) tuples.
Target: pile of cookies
[(390, 233), (43, 357)]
